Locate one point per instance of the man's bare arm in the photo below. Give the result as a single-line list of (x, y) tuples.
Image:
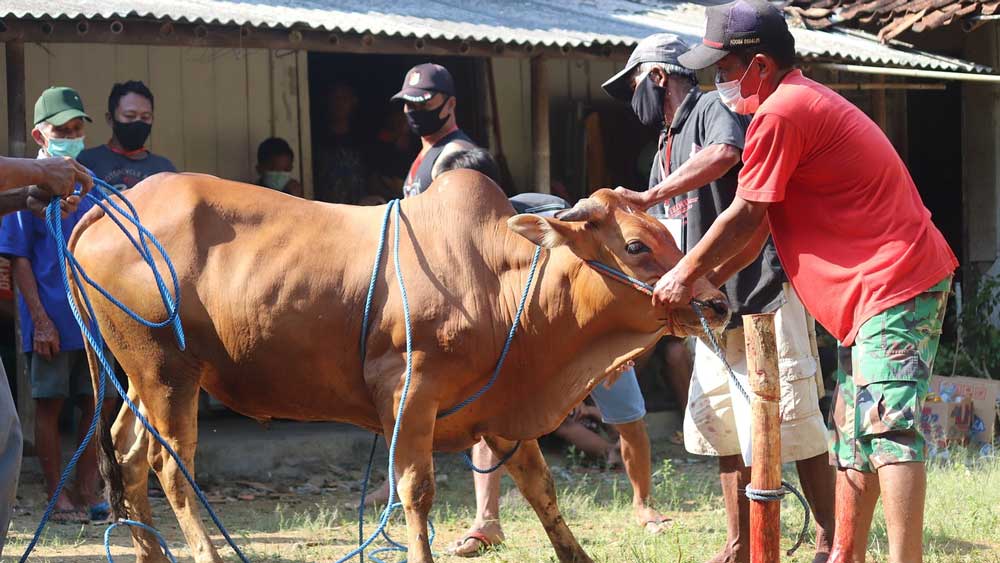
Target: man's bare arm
[(57, 176), (727, 236), (706, 166), (721, 274)]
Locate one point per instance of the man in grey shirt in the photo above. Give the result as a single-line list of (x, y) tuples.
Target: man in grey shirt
[(695, 172)]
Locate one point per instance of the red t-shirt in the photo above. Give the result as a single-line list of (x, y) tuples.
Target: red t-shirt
[(851, 230)]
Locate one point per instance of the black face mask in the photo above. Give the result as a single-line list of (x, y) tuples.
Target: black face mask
[(647, 102), (131, 135), (426, 122)]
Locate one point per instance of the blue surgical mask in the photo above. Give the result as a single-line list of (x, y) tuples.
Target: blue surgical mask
[(275, 179), (64, 147)]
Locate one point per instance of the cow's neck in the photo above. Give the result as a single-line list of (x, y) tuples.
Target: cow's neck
[(570, 338)]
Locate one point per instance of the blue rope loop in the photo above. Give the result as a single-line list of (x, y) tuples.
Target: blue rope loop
[(506, 457), (68, 266), (136, 524)]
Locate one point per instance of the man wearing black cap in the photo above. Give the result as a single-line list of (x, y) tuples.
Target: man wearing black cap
[(858, 244), (428, 97), (696, 168)]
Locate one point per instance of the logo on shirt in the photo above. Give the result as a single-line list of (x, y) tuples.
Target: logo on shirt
[(680, 209)]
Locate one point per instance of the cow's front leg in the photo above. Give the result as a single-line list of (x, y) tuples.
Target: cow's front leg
[(415, 471), (531, 474)]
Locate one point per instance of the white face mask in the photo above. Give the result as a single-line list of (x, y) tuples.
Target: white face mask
[(729, 93)]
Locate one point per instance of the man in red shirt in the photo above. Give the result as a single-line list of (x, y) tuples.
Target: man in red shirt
[(859, 248)]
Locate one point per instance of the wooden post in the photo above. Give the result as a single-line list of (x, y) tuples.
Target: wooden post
[(765, 474), (540, 126), (17, 138)]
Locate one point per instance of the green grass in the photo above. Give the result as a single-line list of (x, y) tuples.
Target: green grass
[(962, 519)]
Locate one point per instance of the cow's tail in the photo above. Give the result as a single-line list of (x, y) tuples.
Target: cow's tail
[(111, 469)]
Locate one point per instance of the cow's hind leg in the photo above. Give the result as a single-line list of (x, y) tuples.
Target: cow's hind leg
[(531, 474), (131, 443), (173, 410)]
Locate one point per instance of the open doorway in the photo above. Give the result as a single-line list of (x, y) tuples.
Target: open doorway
[(361, 145)]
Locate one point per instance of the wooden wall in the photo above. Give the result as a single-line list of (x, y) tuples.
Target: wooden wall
[(213, 105)]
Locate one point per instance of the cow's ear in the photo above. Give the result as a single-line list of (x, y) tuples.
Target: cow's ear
[(542, 231)]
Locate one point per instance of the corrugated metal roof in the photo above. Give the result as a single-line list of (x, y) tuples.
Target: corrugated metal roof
[(553, 23)]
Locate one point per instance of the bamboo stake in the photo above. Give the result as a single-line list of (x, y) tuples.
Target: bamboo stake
[(765, 474)]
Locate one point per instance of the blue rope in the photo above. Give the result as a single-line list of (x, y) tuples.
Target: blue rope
[(136, 524), (393, 207), (506, 346), (506, 457), (95, 340), (391, 504)]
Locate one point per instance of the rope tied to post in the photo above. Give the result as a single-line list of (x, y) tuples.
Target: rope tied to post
[(772, 495)]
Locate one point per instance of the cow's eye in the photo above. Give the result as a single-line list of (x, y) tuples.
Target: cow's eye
[(636, 247)]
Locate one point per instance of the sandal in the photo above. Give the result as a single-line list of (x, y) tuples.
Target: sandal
[(485, 543), (69, 516)]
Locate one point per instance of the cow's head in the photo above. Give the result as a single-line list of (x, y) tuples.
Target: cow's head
[(604, 228)]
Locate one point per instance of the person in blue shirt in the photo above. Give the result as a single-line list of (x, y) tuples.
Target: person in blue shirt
[(50, 336), (27, 184), (125, 161)]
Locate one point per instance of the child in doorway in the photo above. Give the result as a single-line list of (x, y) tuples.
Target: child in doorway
[(274, 166)]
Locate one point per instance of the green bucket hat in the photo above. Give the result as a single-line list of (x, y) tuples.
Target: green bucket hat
[(59, 104)]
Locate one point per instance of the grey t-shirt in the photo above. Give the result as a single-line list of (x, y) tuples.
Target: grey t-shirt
[(701, 121), (121, 171)]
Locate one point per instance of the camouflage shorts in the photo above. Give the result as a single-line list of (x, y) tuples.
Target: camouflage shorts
[(882, 381)]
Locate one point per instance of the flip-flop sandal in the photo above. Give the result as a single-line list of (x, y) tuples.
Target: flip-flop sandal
[(484, 544), (69, 516), (656, 526)]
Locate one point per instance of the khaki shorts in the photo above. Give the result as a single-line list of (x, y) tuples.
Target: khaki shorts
[(709, 423)]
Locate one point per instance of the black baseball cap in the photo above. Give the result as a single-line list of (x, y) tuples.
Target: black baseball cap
[(657, 48), (423, 81), (737, 25)]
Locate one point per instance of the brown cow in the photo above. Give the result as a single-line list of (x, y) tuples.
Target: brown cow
[(273, 290)]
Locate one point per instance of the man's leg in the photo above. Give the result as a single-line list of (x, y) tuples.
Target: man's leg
[(87, 477), (735, 477), (904, 487), (50, 387), (485, 530), (638, 466), (818, 486), (48, 447), (857, 494), (622, 406), (884, 451), (710, 428)]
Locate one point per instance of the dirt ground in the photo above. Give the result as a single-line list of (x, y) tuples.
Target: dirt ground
[(313, 518)]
